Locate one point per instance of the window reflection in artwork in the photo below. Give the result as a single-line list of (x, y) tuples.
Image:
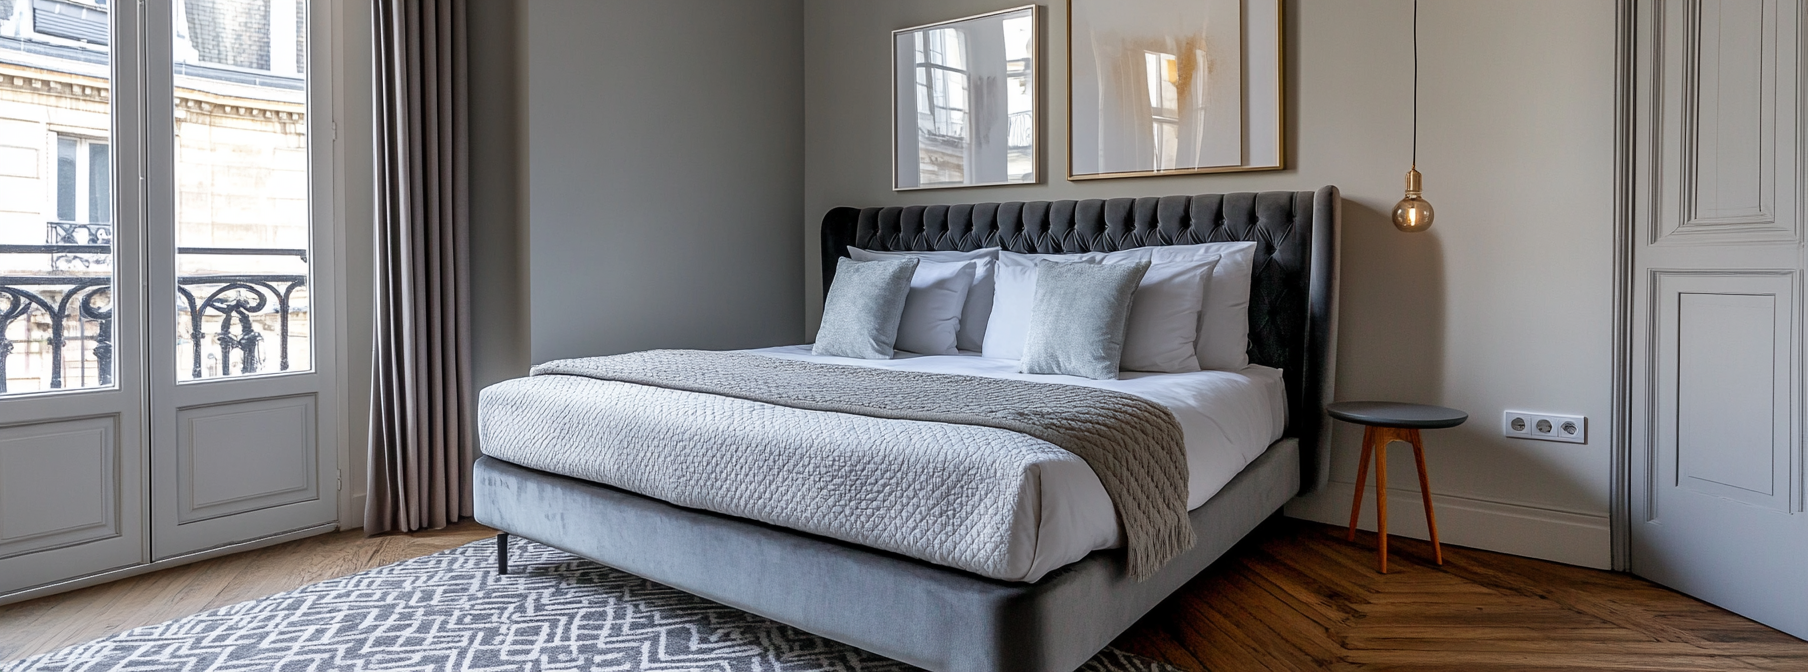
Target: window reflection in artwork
[(1020, 96), (941, 106), (1163, 72), (966, 101)]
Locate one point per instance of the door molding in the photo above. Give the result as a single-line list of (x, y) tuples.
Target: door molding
[(1619, 508)]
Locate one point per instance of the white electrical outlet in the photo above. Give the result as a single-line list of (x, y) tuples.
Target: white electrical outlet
[(1544, 426), (1514, 423)]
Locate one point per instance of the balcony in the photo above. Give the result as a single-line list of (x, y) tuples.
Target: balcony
[(57, 329)]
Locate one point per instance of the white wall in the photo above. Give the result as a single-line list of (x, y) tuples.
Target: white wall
[(1505, 303), (664, 164)]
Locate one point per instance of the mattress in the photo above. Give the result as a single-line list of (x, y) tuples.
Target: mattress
[(1061, 511), (1227, 419)]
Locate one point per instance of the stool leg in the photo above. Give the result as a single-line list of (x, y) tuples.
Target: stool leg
[(1431, 520), (1362, 475), (1381, 495)]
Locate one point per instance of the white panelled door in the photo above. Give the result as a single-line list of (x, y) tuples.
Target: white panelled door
[(1717, 488), (165, 227)]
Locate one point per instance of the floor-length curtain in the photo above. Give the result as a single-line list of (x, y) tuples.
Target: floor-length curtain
[(421, 433)]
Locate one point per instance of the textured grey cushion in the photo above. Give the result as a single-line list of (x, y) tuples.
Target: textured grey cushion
[(1078, 318), (860, 317)]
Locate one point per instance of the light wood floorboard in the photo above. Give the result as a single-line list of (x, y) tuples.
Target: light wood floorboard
[(1294, 596), (50, 623)]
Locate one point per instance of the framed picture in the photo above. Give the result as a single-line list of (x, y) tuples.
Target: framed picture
[(964, 101), (1157, 87)]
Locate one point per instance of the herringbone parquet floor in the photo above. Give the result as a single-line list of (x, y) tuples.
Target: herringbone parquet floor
[(1294, 596)]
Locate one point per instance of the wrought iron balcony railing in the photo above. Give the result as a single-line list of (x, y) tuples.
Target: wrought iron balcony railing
[(237, 305)]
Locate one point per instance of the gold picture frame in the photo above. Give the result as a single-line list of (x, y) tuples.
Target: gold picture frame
[(1149, 91)]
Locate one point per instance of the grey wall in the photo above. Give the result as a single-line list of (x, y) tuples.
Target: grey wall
[(499, 326), (1505, 303), (658, 148), (664, 167)]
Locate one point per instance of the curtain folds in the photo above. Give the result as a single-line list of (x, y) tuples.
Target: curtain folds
[(421, 417)]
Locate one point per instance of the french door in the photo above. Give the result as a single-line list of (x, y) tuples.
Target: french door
[(166, 306)]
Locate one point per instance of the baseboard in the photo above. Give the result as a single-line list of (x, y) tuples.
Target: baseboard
[(352, 517), (1558, 536), (166, 563)]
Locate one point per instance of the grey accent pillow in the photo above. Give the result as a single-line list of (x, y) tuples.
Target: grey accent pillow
[(1078, 318), (866, 300)]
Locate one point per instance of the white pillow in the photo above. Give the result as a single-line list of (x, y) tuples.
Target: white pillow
[(1164, 315), (932, 311), (1020, 260), (1224, 324), (978, 308), (1008, 326), (1163, 332)]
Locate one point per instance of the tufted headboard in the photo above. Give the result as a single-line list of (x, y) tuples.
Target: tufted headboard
[(1293, 295)]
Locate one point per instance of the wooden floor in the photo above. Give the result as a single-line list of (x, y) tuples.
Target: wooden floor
[(51, 623), (1294, 596)]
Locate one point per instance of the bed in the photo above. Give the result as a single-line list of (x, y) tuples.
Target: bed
[(1065, 592)]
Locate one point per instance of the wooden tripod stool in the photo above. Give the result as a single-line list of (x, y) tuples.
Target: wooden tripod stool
[(1384, 423)]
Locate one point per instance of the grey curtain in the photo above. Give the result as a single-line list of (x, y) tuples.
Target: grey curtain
[(421, 429)]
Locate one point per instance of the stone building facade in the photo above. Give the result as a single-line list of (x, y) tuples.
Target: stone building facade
[(240, 169)]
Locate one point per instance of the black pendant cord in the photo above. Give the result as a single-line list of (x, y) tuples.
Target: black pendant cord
[(1415, 84)]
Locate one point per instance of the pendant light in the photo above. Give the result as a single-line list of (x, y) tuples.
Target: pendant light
[(1413, 213)]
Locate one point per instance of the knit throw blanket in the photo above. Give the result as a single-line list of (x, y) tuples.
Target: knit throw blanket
[(1134, 445)]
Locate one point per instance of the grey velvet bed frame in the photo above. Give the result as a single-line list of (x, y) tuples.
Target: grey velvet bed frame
[(945, 619)]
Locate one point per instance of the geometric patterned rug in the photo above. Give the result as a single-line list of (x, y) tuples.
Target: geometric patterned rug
[(450, 612)]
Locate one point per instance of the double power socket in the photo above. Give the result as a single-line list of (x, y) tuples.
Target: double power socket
[(1544, 426)]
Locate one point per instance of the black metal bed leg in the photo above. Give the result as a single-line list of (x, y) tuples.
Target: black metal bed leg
[(502, 553)]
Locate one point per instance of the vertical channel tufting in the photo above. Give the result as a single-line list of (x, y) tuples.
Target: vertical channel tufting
[(1239, 215), (1280, 223), (948, 238), (984, 218), (1142, 228), (1053, 225), (918, 237), (1173, 226), (1206, 215)]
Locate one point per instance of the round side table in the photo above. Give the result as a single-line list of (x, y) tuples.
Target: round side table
[(1384, 422)]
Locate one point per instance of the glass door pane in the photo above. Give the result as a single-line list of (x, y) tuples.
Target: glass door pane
[(241, 171), (56, 196)]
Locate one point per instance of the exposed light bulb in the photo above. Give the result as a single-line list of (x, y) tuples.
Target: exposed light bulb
[(1412, 213)]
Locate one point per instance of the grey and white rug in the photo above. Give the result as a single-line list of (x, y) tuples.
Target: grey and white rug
[(449, 611)]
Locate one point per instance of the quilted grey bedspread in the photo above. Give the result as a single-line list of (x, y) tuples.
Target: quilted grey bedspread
[(932, 466)]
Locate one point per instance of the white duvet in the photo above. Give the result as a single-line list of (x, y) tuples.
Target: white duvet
[(1228, 420)]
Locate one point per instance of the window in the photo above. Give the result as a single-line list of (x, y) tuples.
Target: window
[(941, 57), (83, 167)]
